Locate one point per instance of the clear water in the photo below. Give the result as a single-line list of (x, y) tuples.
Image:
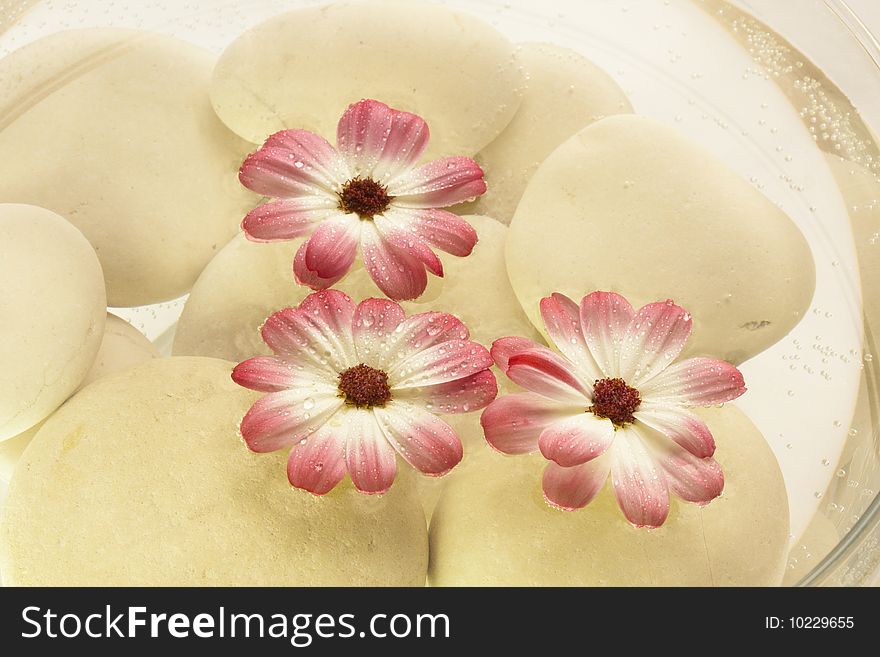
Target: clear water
[(733, 86)]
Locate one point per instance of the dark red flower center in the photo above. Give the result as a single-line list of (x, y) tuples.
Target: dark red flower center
[(365, 197), (364, 386), (615, 400)]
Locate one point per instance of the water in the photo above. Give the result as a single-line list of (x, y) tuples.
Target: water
[(727, 82)]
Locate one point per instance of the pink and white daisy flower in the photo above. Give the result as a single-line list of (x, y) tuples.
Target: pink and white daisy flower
[(350, 387), (615, 401), (367, 193)]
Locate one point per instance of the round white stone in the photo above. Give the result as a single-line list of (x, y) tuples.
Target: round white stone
[(142, 479), (303, 68), (860, 189), (122, 346), (629, 205), (564, 93), (52, 313), (492, 527), (114, 130)]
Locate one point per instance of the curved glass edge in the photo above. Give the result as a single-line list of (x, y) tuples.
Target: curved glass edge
[(852, 507), (857, 28)]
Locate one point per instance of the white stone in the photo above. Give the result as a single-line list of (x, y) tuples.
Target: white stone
[(122, 346), (492, 527), (52, 313), (629, 205), (142, 479), (114, 130), (860, 189), (303, 68), (564, 93)]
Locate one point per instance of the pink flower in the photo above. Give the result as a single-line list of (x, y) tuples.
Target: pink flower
[(351, 387), (366, 193), (613, 401)]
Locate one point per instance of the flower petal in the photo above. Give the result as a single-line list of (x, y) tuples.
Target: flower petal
[(304, 276), (332, 247), (443, 230), (361, 134), (370, 458), (679, 425), (573, 488), (292, 164), (374, 325), (460, 396), (391, 347), (418, 333), (291, 337), (504, 348), (286, 219), (317, 334), (450, 360), (330, 314), (562, 319), (546, 373), (320, 161), (439, 184), (513, 423), (270, 374), (404, 146), (403, 240), (693, 479), (654, 338), (380, 142), (605, 317), (318, 463), (695, 382), (576, 439), (639, 482), (399, 275), (281, 419), (423, 440)]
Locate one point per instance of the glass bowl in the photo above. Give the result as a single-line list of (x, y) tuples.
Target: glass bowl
[(788, 94)]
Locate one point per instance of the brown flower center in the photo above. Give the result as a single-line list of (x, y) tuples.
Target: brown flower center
[(365, 197), (615, 400), (364, 386)]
